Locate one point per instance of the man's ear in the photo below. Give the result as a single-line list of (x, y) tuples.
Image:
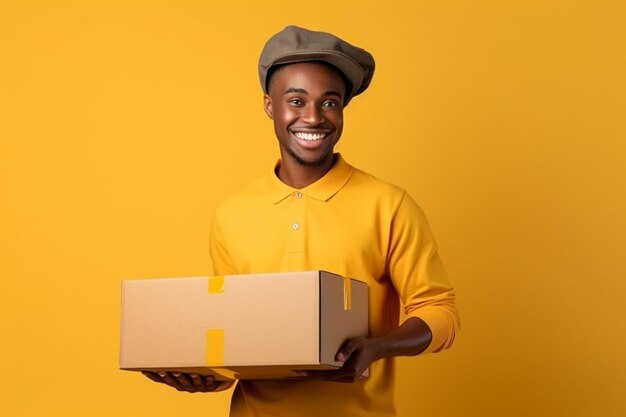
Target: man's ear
[(267, 105)]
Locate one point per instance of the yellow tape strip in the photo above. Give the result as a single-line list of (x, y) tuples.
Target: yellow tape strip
[(216, 284), (347, 293), (215, 347)]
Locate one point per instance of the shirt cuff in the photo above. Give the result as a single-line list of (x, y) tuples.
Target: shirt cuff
[(441, 325)]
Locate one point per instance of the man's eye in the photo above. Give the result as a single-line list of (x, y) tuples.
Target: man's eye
[(330, 103), (295, 101)]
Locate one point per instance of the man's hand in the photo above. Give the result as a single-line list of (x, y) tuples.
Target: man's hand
[(187, 382), (411, 338), (356, 354)]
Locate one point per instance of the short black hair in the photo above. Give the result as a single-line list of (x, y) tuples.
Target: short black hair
[(278, 68)]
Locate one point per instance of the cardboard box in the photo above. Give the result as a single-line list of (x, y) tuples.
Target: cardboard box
[(257, 326)]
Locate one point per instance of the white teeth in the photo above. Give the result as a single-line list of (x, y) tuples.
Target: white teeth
[(309, 136)]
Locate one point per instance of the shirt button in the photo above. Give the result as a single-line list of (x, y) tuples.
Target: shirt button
[(295, 226), (298, 195)]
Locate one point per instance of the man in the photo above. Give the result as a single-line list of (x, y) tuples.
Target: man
[(315, 211)]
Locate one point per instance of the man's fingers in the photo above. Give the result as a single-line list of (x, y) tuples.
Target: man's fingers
[(203, 383), (346, 350), (184, 381), (210, 383), (198, 382), (153, 376), (170, 379)]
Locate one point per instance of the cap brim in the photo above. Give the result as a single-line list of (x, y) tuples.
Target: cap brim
[(350, 68)]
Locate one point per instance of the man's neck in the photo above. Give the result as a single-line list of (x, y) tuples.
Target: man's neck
[(297, 176)]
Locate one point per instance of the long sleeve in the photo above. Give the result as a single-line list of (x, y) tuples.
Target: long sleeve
[(418, 274)]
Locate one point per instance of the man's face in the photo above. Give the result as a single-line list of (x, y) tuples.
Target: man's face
[(305, 101)]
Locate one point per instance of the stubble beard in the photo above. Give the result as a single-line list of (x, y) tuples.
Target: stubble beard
[(309, 164)]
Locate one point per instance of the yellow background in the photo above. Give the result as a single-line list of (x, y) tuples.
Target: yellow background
[(122, 124)]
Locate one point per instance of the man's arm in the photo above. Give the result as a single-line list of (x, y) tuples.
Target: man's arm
[(418, 275), (420, 281)]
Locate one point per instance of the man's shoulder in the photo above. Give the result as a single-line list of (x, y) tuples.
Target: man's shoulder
[(254, 188), (249, 194), (374, 184)]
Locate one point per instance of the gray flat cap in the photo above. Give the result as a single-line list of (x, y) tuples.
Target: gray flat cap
[(294, 44)]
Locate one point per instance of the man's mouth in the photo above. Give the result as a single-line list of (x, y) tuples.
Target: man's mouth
[(310, 137)]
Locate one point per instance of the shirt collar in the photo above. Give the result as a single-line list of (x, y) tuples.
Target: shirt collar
[(323, 189)]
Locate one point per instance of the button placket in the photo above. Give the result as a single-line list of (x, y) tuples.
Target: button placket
[(298, 195), (296, 240)]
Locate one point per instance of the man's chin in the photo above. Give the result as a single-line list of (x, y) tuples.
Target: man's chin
[(312, 162)]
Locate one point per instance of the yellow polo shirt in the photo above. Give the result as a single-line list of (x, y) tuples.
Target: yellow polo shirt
[(355, 225)]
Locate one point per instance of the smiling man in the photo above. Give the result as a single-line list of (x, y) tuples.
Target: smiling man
[(306, 101), (316, 211)]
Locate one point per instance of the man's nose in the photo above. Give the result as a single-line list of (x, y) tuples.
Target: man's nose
[(313, 115)]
